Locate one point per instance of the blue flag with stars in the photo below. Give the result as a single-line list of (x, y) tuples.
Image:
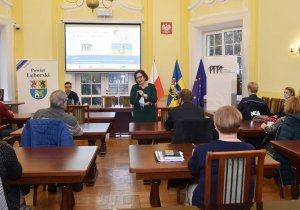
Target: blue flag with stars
[(200, 86)]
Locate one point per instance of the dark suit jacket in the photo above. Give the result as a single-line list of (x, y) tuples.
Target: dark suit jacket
[(187, 111)]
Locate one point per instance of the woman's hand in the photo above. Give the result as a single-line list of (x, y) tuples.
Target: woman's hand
[(263, 125), (141, 93)]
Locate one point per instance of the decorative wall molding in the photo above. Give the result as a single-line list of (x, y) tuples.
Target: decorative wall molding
[(72, 5), (129, 7), (198, 3), (7, 2), (79, 3)]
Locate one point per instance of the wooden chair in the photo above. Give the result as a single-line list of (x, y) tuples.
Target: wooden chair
[(80, 112), (275, 105), (164, 113), (234, 176), (108, 101), (267, 101), (124, 100), (7, 139)]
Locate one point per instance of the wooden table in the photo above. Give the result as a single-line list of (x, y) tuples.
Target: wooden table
[(250, 129), (63, 165), (291, 150), (91, 131), (149, 130), (19, 119), (102, 117), (122, 118), (157, 131), (12, 105), (143, 163)]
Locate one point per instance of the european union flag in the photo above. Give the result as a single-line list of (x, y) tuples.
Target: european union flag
[(176, 85), (200, 86)]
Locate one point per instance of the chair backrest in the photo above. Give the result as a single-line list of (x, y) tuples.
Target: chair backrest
[(46, 132), (275, 105), (80, 112), (163, 113), (124, 100), (236, 171), (267, 101), (108, 101), (194, 131)]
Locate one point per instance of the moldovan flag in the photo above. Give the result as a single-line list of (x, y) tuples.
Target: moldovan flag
[(154, 78), (176, 85)]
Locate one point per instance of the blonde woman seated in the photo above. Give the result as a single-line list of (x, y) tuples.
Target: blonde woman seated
[(227, 120)]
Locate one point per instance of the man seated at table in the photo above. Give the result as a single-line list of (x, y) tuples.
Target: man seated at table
[(73, 98), (185, 111), (56, 110), (58, 100), (5, 114), (252, 106)]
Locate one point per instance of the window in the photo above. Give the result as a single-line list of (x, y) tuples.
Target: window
[(118, 84), (227, 42), (92, 86)]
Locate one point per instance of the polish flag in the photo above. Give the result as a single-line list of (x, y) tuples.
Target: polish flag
[(154, 78)]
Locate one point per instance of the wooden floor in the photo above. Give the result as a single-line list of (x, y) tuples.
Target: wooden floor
[(117, 188)]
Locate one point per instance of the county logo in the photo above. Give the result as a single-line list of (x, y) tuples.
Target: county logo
[(38, 89)]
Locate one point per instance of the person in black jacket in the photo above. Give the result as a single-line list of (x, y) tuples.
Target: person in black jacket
[(72, 96), (252, 106), (185, 111)]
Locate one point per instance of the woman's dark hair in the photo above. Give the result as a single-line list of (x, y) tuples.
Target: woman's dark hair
[(141, 72)]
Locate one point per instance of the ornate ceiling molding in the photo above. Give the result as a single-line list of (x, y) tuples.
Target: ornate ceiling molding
[(7, 2), (197, 3)]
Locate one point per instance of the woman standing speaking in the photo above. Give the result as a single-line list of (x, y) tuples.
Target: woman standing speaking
[(143, 98)]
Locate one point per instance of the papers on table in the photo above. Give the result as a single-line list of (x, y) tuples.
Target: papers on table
[(161, 157)]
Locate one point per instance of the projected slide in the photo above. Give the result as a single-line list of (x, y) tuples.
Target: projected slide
[(102, 47)]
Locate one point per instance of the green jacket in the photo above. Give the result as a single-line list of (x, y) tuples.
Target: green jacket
[(147, 113)]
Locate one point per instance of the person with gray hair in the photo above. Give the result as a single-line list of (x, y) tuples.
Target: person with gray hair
[(58, 100)]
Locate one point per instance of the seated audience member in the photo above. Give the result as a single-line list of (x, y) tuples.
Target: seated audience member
[(56, 110), (252, 105), (185, 110), (10, 169), (272, 129), (288, 92), (290, 130), (5, 114), (72, 96), (227, 120)]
